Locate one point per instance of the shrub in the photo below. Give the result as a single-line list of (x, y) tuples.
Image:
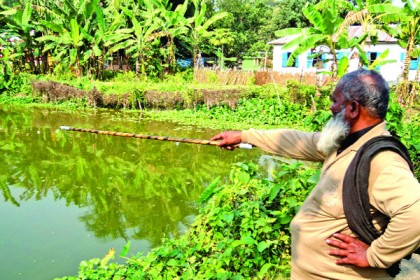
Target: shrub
[(242, 231)]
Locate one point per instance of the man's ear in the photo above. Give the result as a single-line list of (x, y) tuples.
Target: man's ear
[(354, 109)]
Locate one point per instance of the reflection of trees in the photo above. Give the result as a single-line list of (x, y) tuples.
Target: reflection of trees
[(131, 188)]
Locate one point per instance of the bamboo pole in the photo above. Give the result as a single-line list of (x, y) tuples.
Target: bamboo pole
[(152, 137)]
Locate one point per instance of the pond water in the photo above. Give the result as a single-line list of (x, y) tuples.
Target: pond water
[(70, 196)]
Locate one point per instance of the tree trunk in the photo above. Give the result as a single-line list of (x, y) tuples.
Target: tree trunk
[(195, 55), (402, 89), (45, 66), (334, 65), (137, 67)]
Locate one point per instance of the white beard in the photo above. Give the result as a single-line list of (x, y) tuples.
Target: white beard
[(334, 132)]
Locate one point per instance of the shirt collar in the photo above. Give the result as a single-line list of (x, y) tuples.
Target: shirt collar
[(352, 138)]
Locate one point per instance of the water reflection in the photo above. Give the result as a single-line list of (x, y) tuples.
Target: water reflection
[(126, 188)]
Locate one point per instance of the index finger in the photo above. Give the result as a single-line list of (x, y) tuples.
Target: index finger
[(217, 137)]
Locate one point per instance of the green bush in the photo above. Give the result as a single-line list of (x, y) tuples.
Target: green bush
[(242, 231)]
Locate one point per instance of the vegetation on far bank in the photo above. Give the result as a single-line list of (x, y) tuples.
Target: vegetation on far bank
[(180, 99)]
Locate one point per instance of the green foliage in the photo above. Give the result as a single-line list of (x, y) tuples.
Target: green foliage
[(407, 131), (316, 120), (15, 84), (242, 232), (301, 94), (62, 72)]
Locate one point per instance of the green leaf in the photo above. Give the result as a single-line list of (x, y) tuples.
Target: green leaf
[(274, 192), (74, 32), (416, 53), (262, 246), (314, 178), (381, 60), (342, 66), (265, 268), (288, 32), (9, 12), (285, 219), (244, 178), (209, 191), (248, 240), (172, 262), (228, 217), (73, 56), (26, 16), (54, 27), (125, 249)]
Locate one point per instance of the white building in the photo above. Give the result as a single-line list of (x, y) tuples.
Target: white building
[(305, 63)]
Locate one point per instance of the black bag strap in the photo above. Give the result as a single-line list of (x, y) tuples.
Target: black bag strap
[(355, 189)]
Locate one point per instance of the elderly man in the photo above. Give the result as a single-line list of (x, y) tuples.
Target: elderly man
[(323, 245)]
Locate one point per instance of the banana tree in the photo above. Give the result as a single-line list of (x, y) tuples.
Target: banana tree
[(68, 24), (67, 43), (407, 32), (173, 25), (19, 24), (97, 52), (325, 23), (199, 29), (369, 22), (325, 18), (137, 40)]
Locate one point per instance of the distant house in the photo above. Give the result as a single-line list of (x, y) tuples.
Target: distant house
[(307, 63)]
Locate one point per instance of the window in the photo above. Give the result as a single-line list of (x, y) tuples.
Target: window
[(314, 60), (372, 56), (285, 58), (414, 63)]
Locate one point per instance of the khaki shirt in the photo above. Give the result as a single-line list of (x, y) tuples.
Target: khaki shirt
[(393, 192)]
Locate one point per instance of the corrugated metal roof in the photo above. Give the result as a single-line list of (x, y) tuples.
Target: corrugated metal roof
[(357, 31), (283, 40), (354, 31)]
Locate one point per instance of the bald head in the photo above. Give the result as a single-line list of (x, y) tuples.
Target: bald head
[(368, 88)]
